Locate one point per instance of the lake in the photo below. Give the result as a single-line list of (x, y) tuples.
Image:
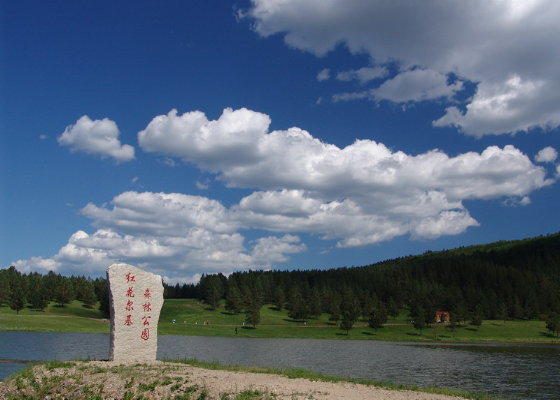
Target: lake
[(512, 371)]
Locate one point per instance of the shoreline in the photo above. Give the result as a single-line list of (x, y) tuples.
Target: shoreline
[(427, 341)]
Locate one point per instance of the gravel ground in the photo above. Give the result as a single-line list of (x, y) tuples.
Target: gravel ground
[(160, 380)]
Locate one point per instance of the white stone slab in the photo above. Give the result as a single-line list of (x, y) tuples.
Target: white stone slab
[(136, 298)]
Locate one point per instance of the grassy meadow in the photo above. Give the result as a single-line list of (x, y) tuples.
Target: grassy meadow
[(73, 317), (195, 318)]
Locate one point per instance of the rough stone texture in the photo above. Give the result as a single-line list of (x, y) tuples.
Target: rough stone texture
[(136, 298)]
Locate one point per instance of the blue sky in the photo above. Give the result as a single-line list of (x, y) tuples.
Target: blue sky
[(214, 136)]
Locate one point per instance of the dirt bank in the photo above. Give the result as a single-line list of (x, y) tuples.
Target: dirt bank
[(105, 380)]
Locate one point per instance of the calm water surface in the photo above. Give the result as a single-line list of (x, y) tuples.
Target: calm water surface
[(509, 371)]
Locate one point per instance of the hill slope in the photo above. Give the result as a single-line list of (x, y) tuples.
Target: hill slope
[(515, 279)]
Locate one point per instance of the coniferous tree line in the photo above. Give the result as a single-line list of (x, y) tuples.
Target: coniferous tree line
[(36, 291), (185, 291), (503, 280)]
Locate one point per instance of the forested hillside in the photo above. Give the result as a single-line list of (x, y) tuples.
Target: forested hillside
[(513, 279)]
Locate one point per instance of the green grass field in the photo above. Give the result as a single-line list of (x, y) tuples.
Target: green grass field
[(194, 318), (73, 317)]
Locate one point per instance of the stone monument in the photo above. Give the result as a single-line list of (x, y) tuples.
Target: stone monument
[(135, 298)]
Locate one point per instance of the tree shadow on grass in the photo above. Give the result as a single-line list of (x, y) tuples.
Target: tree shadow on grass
[(297, 321), (33, 309), (369, 333), (249, 327)]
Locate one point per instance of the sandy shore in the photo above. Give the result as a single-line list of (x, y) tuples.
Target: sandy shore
[(78, 380)]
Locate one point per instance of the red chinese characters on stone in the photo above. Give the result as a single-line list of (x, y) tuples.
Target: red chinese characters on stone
[(130, 278), (145, 335), (132, 284)]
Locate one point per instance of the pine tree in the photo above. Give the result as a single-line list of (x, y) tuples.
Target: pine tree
[(17, 299), (452, 324), (101, 288), (476, 319), (350, 304), (88, 295), (314, 303), (502, 312), (418, 316), (279, 298), (347, 321), (298, 307), (460, 312), (367, 307), (553, 323), (64, 292), (18, 290), (377, 317), (38, 297), (233, 299), (5, 291), (51, 282), (392, 308), (253, 313), (335, 312), (212, 289)]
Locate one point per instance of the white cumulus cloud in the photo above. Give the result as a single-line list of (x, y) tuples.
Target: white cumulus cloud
[(358, 195), (274, 249), (416, 85), (323, 75), (172, 234), (97, 137), (361, 194), (289, 159), (363, 75), (507, 49), (546, 155), (156, 214), (211, 144), (448, 222)]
